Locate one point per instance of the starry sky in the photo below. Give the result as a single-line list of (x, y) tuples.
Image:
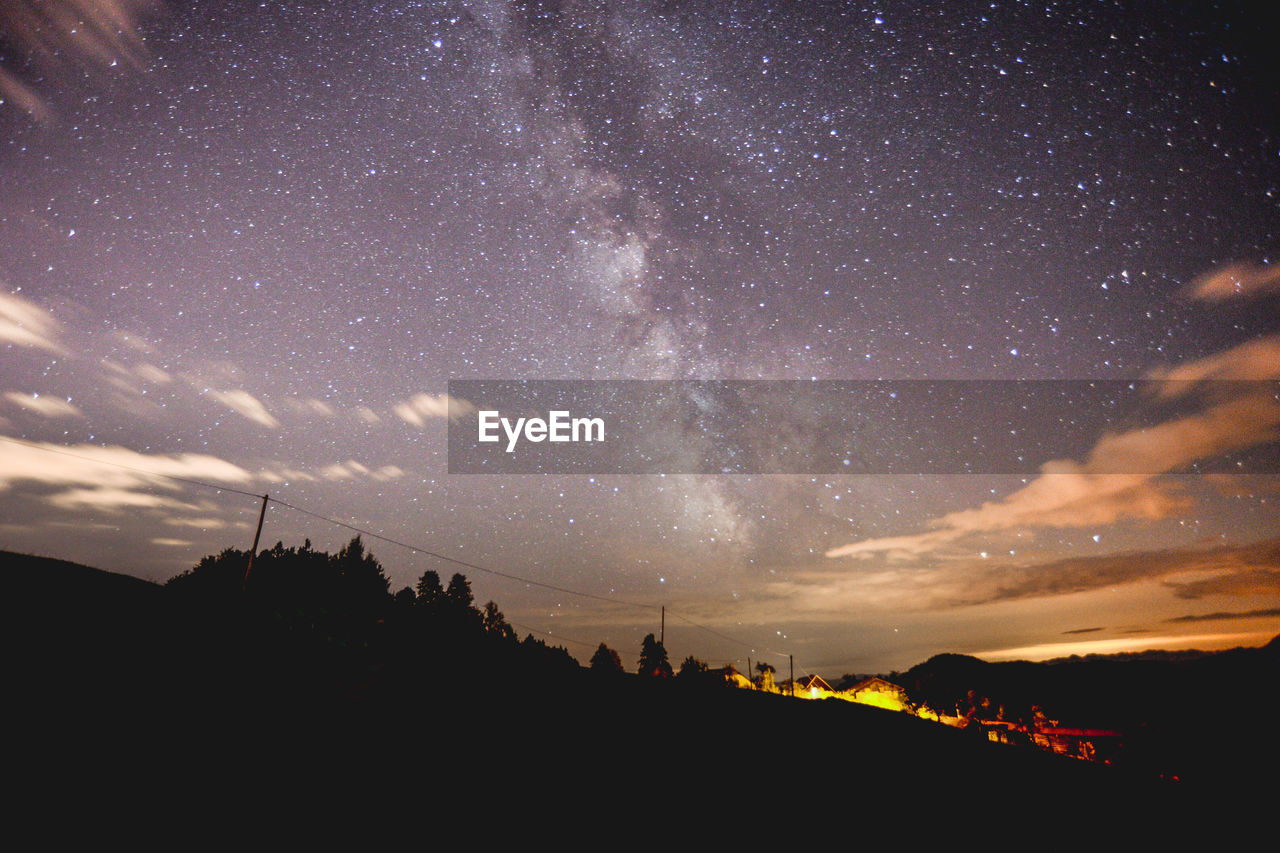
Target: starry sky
[(249, 244)]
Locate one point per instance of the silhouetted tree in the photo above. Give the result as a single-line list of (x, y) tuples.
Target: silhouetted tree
[(361, 575), (606, 660), (495, 623), (457, 612), (430, 592), (547, 658), (691, 667), (306, 608), (459, 591), (653, 659)]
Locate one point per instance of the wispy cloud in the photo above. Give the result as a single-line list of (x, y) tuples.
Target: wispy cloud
[(1049, 651), (351, 469), (1247, 580), (26, 98), (420, 408), (109, 477), (26, 324), (128, 378), (1068, 494), (309, 407), (1236, 280), (245, 404), (1223, 616), (202, 523), (111, 499), (65, 40), (49, 407), (1258, 359), (1191, 572)]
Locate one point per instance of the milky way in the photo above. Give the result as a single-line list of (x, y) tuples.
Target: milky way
[(251, 246)]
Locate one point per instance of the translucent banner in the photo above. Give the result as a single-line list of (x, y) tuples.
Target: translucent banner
[(862, 427)]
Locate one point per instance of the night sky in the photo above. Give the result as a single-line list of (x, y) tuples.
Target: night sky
[(250, 244)]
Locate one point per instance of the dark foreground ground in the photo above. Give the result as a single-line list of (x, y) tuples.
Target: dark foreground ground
[(117, 697)]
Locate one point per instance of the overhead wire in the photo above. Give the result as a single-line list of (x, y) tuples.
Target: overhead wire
[(380, 537), (556, 637), (464, 563)]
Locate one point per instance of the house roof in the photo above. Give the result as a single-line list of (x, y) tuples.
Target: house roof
[(879, 685)]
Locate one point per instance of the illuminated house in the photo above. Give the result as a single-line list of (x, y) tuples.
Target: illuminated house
[(813, 687), (878, 692)]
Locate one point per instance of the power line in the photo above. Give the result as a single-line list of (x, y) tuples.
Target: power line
[(415, 548), (428, 552), (517, 578), (717, 633), (552, 636)]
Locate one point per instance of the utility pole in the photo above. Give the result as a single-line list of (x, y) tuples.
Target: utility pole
[(662, 631), (256, 536), (792, 661)]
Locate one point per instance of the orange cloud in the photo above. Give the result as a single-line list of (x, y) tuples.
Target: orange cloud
[(1189, 573), (1236, 280), (1099, 491), (1258, 359), (1049, 651)]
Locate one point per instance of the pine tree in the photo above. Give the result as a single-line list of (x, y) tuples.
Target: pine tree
[(653, 659), (606, 660), (430, 592), (495, 623)]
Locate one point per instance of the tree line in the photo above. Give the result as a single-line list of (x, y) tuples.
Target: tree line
[(303, 607)]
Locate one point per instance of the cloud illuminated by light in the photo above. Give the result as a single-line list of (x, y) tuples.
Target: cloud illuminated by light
[(1049, 651), (100, 468), (1068, 494), (1258, 359), (68, 38), (245, 404), (420, 408), (49, 407), (1236, 280), (309, 407), (25, 324)]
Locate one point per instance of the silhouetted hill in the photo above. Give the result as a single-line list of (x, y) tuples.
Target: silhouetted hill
[(1194, 715), (26, 577), (70, 622), (196, 699)]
